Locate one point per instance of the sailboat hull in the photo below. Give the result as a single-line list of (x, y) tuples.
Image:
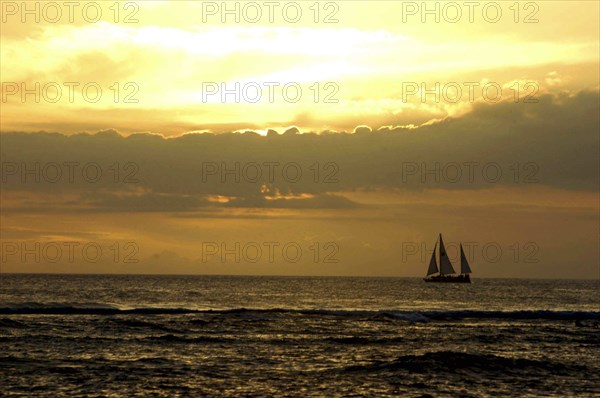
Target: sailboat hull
[(449, 279)]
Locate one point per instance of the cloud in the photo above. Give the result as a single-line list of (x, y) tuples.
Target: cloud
[(362, 129), (552, 143)]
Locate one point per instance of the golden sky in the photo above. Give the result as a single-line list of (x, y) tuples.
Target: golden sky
[(388, 87), (155, 62)]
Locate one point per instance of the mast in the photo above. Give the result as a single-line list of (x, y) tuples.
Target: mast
[(464, 264), (433, 267), (445, 264)]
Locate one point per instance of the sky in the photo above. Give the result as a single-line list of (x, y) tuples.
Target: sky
[(300, 138)]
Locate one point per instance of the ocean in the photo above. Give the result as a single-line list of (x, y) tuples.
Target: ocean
[(163, 336)]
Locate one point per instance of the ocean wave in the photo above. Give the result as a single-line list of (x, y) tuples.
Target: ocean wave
[(126, 322), (453, 361), (373, 315), (11, 324), (86, 309), (362, 340), (171, 338)]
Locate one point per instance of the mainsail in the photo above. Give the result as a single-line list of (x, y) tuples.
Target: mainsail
[(464, 264), (433, 268), (445, 264)]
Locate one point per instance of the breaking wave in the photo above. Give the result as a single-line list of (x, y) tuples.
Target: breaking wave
[(452, 361), (383, 315)]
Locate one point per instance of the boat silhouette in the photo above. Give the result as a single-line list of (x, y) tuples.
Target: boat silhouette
[(445, 273)]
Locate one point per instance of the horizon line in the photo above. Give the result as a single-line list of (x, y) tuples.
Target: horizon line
[(279, 276)]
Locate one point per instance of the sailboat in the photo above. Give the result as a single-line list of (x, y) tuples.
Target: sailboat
[(446, 272)]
